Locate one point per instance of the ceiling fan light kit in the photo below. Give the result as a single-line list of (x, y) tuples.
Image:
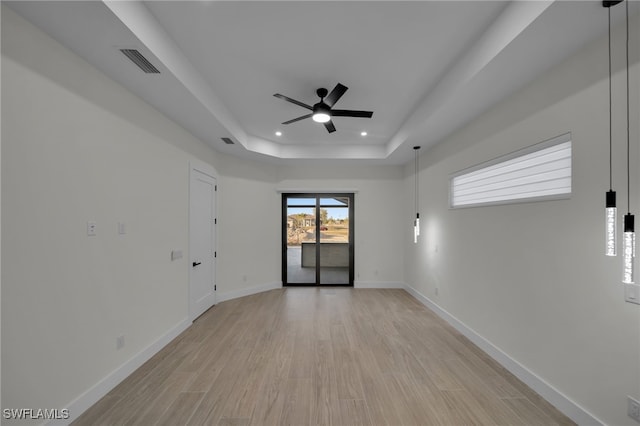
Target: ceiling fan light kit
[(321, 116), (321, 111)]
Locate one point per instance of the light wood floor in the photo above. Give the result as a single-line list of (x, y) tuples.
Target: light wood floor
[(321, 356)]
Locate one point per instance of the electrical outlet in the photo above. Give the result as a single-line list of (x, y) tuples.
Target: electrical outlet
[(91, 228), (120, 342), (633, 409)]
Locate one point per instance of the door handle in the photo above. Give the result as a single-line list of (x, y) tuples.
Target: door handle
[(196, 264)]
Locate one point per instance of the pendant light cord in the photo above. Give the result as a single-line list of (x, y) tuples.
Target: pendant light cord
[(416, 184), (628, 133), (416, 179), (610, 114)]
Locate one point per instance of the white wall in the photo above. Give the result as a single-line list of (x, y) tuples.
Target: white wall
[(249, 228), (379, 205), (532, 278), (78, 147)]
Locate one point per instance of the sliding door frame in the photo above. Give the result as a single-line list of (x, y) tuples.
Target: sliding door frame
[(318, 196)]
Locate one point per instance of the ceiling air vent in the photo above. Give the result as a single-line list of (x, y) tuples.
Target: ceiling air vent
[(143, 63), (228, 141)]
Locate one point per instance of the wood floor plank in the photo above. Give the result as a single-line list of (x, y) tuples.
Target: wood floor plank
[(325, 385), (440, 374), (92, 417), (174, 385), (302, 360), (210, 410), (269, 406), (321, 356), (480, 394), (354, 412), (227, 421), (409, 406), (379, 400), (181, 409), (298, 400), (525, 409), (463, 409), (347, 372), (537, 400)]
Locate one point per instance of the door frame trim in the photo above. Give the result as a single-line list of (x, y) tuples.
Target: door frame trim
[(209, 170), (317, 195)]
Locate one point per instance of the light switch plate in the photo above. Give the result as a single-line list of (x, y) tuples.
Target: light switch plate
[(91, 228), (122, 228), (176, 254), (632, 293)]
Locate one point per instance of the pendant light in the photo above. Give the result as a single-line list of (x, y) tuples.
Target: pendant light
[(629, 232), (611, 212), (416, 222)]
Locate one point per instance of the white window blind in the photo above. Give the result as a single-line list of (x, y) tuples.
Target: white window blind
[(542, 171)]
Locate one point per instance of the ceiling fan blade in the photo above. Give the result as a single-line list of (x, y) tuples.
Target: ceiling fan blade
[(351, 113), (330, 127), (298, 119), (335, 94), (293, 101)]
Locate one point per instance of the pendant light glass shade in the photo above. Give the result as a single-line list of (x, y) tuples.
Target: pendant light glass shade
[(611, 224), (629, 250)]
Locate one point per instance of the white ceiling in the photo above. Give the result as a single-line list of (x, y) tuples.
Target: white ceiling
[(424, 67)]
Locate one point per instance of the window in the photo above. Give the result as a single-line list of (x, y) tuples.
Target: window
[(539, 172)]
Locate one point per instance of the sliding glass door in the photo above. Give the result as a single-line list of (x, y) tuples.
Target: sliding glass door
[(317, 239), (300, 215)]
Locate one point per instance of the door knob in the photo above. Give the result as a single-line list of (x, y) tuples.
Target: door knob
[(196, 264)]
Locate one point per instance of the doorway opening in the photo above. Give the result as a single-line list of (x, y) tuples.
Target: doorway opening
[(317, 239)]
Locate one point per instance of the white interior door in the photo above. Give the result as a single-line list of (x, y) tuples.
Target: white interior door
[(202, 242)]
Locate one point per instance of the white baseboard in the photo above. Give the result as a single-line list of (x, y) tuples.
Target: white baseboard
[(378, 284), (544, 389), (100, 389), (234, 294)]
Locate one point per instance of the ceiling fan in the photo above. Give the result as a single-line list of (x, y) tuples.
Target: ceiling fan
[(322, 112)]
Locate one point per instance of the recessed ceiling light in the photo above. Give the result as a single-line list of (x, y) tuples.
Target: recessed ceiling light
[(363, 133), (278, 133)]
